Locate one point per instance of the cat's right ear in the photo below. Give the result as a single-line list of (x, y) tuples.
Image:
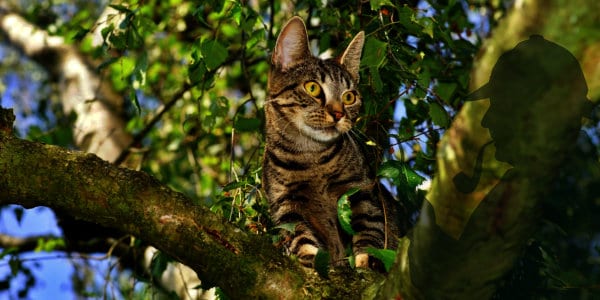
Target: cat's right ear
[(292, 45)]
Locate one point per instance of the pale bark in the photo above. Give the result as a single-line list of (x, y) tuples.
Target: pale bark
[(99, 127)]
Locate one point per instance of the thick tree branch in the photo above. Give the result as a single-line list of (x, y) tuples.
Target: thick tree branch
[(88, 188)]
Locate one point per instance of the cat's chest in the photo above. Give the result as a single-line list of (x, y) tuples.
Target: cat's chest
[(333, 178)]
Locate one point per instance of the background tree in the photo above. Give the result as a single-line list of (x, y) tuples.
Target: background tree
[(175, 89)]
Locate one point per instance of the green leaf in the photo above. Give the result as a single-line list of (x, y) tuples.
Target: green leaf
[(247, 124), (322, 263), (376, 4), (80, 34), (290, 227), (118, 40), (386, 256), (214, 53), (159, 264), (49, 245), (445, 90), (439, 115), (234, 185), (145, 24), (15, 265), (197, 71), (427, 24), (404, 177), (376, 81), (106, 31), (219, 294), (219, 106), (374, 53), (120, 8), (344, 211), (8, 251), (135, 100), (106, 63), (406, 17), (236, 13), (139, 73)]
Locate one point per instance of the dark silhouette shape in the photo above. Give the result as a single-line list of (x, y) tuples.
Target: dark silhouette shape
[(528, 79), (537, 97), (465, 183)]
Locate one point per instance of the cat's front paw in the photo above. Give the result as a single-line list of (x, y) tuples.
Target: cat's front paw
[(306, 255), (362, 260)]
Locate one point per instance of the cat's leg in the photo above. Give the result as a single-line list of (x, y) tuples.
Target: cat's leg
[(368, 221), (304, 245), (302, 242)]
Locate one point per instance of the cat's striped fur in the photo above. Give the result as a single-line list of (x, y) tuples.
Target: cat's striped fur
[(310, 157)]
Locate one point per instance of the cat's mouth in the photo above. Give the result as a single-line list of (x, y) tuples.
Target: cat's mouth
[(324, 132), (321, 133)]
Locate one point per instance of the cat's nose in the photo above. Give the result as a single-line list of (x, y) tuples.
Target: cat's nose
[(336, 111), (337, 115)]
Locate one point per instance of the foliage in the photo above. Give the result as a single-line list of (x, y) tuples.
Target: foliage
[(417, 59)]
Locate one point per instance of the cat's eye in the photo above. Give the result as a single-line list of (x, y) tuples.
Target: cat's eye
[(312, 88), (348, 98)]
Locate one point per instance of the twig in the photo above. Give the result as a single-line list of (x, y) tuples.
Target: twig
[(162, 110)]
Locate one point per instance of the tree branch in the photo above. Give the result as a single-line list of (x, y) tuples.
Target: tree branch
[(83, 186), (24, 243)]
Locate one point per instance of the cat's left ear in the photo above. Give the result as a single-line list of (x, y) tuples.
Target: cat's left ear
[(350, 59)]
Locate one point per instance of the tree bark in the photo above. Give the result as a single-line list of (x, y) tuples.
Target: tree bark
[(82, 185)]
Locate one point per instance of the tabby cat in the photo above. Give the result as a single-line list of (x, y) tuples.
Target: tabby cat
[(311, 158)]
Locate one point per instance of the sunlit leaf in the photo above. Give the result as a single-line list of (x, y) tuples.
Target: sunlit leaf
[(403, 176), (344, 211), (386, 256), (214, 53), (376, 4)]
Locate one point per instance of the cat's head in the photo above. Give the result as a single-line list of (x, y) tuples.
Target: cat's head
[(318, 97)]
